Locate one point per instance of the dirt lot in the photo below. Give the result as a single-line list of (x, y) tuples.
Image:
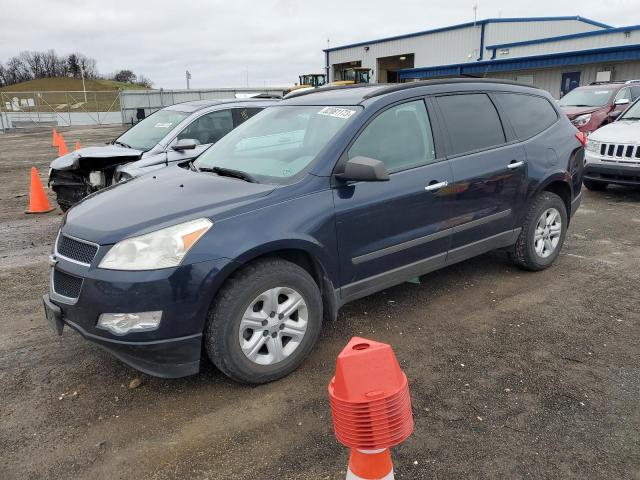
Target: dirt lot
[(512, 374)]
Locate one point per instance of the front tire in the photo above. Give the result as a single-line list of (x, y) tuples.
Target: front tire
[(543, 232), (264, 321), (595, 185)]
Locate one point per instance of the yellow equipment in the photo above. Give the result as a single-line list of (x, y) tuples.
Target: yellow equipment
[(352, 75)]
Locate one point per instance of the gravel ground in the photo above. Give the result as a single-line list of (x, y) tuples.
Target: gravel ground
[(512, 374)]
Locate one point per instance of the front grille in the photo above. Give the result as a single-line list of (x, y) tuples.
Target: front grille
[(620, 153), (76, 250), (66, 285)]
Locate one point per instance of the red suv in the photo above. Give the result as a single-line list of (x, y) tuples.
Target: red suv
[(599, 103)]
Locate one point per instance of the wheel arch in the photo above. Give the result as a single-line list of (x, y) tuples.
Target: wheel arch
[(560, 184), (304, 253)]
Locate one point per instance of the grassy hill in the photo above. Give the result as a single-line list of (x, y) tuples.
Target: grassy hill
[(66, 84)]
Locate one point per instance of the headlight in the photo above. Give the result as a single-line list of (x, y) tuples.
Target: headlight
[(593, 146), (119, 176), (581, 120), (161, 249)]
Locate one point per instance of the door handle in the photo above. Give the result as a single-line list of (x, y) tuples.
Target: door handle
[(432, 187), (515, 164)]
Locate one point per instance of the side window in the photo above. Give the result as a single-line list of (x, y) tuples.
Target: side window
[(472, 121), (623, 94), (528, 114), (400, 137), (209, 128), (635, 93), (241, 115)]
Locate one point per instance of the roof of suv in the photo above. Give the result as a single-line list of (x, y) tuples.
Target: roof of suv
[(356, 94)]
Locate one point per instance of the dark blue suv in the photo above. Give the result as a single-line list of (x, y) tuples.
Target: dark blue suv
[(324, 198)]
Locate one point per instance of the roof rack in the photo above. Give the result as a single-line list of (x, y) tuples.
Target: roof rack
[(609, 82), (327, 89), (424, 83)]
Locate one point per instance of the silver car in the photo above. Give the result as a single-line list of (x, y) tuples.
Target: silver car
[(175, 134)]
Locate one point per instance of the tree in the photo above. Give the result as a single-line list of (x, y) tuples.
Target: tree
[(126, 76), (144, 81)]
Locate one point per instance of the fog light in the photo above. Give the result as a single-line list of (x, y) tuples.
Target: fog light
[(123, 323)]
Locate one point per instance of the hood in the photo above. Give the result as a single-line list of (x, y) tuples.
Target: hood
[(621, 131), (573, 112), (73, 160), (173, 195), (157, 159)]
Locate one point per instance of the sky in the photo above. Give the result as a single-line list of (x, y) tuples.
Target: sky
[(268, 42)]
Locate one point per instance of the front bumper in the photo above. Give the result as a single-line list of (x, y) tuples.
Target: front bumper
[(612, 173), (183, 294)]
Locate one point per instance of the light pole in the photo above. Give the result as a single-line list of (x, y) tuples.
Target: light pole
[(188, 77)]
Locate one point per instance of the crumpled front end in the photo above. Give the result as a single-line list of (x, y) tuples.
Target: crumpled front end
[(82, 172)]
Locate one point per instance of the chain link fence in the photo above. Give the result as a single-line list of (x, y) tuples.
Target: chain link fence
[(28, 110)]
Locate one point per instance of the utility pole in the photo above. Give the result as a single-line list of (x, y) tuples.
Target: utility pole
[(188, 77), (83, 87), (247, 76), (475, 13)]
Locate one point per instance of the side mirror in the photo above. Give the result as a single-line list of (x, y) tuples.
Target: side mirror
[(622, 101), (185, 144), (364, 169), (615, 113)]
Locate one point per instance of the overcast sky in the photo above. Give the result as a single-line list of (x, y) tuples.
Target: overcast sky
[(275, 39)]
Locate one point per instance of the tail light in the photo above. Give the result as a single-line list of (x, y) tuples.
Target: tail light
[(582, 138)]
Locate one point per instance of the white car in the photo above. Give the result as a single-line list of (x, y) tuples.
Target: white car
[(613, 152)]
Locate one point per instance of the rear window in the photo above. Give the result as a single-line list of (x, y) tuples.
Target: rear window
[(472, 121), (529, 115)]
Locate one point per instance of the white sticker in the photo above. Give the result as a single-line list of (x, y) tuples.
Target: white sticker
[(336, 112), (163, 125), (602, 92)]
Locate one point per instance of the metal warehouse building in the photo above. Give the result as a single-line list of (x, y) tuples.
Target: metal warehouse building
[(554, 53)]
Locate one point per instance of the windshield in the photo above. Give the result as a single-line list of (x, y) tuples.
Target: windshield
[(278, 143), (587, 97), (632, 113), (146, 134)]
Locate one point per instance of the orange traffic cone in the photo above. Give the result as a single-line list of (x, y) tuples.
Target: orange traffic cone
[(370, 464), (38, 201), (54, 142), (62, 146), (77, 146)]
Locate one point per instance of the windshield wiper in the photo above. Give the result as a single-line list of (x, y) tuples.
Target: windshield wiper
[(629, 118), (122, 144), (229, 172)]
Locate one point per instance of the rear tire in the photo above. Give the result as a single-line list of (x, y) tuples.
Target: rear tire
[(543, 232), (595, 185), (264, 321)]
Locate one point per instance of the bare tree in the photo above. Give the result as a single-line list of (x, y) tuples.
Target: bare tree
[(144, 81), (29, 65)]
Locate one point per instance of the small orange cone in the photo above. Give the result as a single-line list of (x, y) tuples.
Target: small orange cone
[(54, 142), (370, 464), (38, 201), (62, 146), (77, 146)]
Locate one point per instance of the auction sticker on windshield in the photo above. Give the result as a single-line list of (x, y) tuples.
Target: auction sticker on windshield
[(163, 125), (336, 112)]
